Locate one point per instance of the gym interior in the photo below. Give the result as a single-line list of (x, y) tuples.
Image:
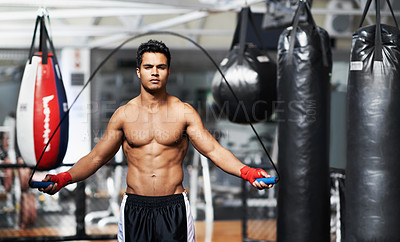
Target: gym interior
[(327, 131)]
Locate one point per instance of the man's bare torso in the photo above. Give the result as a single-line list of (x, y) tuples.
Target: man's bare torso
[(155, 145)]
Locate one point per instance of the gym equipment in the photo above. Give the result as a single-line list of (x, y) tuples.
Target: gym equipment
[(42, 106), (268, 180), (373, 128), (304, 68), (251, 74), (39, 184)]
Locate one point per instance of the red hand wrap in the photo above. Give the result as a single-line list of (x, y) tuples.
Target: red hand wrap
[(61, 179), (250, 174)]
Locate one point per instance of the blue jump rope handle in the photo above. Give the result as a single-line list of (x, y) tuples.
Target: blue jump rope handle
[(268, 181), (40, 184)]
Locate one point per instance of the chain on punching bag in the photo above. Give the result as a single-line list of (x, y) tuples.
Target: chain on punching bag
[(373, 128), (304, 69), (42, 103)]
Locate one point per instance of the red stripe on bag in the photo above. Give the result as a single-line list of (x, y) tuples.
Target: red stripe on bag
[(46, 115)]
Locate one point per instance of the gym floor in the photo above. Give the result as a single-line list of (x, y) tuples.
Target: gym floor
[(224, 230)]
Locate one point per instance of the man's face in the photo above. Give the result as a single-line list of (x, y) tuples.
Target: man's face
[(153, 71)]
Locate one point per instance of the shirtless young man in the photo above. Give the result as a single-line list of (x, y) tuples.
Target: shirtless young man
[(154, 130)]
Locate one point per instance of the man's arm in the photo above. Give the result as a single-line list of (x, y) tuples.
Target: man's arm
[(205, 143), (107, 147)]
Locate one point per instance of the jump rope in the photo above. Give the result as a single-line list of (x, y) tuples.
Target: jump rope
[(39, 184)]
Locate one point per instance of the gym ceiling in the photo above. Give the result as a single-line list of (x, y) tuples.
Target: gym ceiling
[(106, 23)]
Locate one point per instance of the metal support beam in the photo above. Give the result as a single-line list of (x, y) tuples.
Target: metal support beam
[(162, 25)]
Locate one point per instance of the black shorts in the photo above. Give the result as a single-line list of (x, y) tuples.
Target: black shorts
[(165, 218)]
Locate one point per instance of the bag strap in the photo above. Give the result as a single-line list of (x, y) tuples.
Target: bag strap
[(325, 61), (44, 38), (241, 28), (31, 50), (367, 5), (295, 23), (378, 28), (364, 15), (47, 39), (53, 50), (236, 35), (243, 32), (257, 29), (391, 10), (378, 33), (303, 5), (43, 41)]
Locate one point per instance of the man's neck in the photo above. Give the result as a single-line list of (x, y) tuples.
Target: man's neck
[(153, 100)]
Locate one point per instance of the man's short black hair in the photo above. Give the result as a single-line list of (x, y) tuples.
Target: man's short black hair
[(153, 46)]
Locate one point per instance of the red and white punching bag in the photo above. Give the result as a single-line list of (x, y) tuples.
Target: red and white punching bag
[(42, 109)]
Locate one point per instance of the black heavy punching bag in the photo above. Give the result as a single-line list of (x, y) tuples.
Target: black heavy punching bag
[(304, 68), (373, 128), (250, 73)]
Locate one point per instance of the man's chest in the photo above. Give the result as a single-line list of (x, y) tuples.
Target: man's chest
[(161, 129)]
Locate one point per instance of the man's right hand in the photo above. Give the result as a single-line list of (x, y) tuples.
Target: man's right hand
[(251, 174), (60, 180)]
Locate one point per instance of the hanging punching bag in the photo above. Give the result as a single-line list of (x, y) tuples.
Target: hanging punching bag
[(373, 128), (42, 103), (304, 68), (251, 74)]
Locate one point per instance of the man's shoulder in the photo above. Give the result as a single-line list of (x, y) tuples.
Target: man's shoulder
[(174, 99), (122, 111), (132, 104), (179, 104)]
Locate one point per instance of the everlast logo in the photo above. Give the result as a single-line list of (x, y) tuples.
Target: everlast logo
[(46, 112)]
